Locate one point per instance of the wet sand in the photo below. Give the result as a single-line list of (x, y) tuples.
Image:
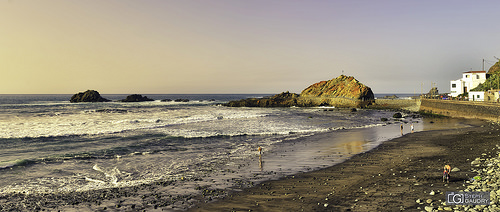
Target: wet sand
[(390, 177)]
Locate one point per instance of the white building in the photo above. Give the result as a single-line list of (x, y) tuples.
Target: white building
[(476, 96), (470, 80)]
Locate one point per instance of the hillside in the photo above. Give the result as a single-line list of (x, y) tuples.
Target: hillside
[(493, 81)]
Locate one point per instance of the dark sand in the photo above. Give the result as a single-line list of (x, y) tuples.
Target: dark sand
[(388, 178)]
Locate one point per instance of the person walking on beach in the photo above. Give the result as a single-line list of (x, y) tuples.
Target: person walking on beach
[(446, 173), (411, 127), (261, 166), (401, 128)]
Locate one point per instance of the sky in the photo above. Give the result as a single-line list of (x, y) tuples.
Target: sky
[(237, 46)]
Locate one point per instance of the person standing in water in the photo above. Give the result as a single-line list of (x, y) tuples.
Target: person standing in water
[(401, 128), (411, 127), (261, 166)]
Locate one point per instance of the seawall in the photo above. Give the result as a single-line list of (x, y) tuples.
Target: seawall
[(462, 109)]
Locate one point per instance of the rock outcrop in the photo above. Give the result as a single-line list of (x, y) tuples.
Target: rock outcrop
[(88, 96), (285, 99), (342, 91), (342, 86), (136, 98)]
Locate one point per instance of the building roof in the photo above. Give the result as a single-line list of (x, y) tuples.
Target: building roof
[(475, 72)]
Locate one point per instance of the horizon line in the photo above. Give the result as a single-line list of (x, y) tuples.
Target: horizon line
[(165, 93)]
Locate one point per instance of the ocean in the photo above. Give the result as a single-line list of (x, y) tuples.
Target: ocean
[(51, 146)]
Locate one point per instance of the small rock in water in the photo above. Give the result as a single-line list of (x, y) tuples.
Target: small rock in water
[(397, 115), (455, 169), (428, 201), (418, 201), (432, 193)]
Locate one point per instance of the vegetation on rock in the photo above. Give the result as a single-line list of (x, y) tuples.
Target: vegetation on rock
[(495, 69), (493, 81)]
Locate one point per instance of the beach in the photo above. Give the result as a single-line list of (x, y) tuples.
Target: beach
[(161, 156), (400, 174), (169, 156)]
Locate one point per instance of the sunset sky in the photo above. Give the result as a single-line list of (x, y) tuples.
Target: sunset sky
[(233, 46)]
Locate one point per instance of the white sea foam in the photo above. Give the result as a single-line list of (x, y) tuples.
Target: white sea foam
[(202, 121), (93, 123), (199, 151)]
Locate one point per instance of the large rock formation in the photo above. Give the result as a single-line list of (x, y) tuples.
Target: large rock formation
[(88, 96), (342, 91), (136, 98), (342, 86)]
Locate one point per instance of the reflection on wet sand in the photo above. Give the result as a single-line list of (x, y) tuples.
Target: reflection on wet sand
[(442, 123), (351, 143), (330, 148), (352, 147)]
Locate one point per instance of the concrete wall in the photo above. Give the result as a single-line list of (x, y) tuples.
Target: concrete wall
[(480, 110), (405, 104)]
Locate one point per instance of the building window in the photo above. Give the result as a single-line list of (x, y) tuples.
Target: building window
[(466, 76), (477, 96), (477, 76), (453, 85)]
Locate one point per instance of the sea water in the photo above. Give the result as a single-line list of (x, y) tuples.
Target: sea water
[(49, 145)]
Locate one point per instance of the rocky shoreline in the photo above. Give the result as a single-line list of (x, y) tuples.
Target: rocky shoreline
[(156, 195), (486, 179)]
